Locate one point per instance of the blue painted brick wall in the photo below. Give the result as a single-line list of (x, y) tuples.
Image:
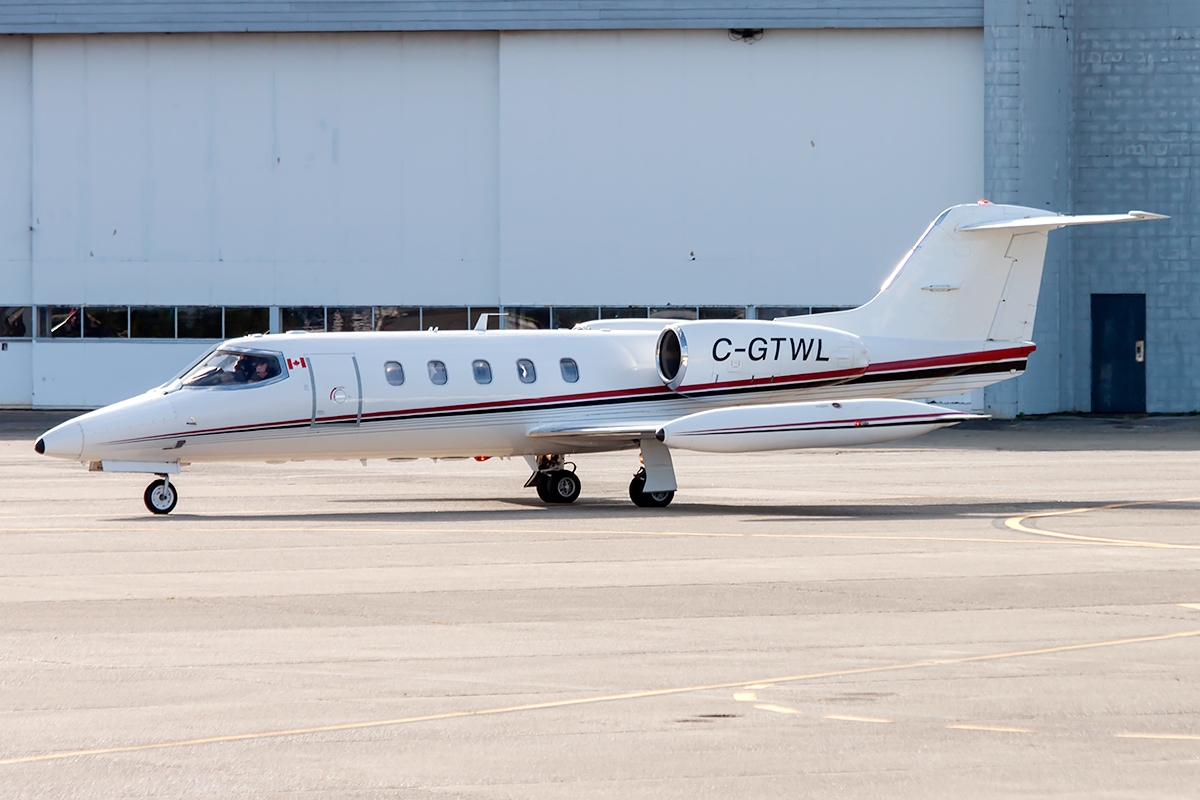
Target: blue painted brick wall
[(1137, 120)]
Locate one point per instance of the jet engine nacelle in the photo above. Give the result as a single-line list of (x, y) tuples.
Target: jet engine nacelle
[(693, 356)]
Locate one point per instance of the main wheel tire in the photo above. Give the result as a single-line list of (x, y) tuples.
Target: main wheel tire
[(543, 487), (644, 499), (562, 486), (160, 497)]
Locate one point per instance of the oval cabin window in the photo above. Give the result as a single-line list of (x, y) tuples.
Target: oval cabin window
[(482, 370), (526, 371), (570, 370), (394, 372), (437, 373)]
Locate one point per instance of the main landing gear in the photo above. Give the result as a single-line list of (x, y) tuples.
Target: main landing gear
[(161, 496), (644, 499), (554, 482)]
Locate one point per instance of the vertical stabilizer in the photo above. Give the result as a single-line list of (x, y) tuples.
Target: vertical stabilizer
[(973, 275)]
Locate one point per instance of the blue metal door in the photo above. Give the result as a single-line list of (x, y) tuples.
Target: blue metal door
[(1119, 353)]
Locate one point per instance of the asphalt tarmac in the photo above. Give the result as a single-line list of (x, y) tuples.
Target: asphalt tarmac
[(1005, 609)]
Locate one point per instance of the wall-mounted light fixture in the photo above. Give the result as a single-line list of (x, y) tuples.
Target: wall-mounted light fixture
[(747, 35)]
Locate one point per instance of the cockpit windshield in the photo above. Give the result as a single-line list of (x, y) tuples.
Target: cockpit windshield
[(233, 368)]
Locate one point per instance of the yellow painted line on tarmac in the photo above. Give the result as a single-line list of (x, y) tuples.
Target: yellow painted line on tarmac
[(776, 709), (1194, 606), (995, 728), (578, 701), (1017, 524), (850, 718), (1187, 737), (745, 697)]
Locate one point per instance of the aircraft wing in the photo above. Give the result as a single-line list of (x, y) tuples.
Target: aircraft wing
[(603, 436)]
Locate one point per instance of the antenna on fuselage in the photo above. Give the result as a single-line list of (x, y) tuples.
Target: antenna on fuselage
[(482, 323)]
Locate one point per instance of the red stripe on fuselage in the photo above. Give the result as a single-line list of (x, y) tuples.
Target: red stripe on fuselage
[(782, 383), (963, 359), (849, 423)]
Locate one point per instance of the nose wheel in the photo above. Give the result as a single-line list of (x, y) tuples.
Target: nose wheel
[(161, 496)]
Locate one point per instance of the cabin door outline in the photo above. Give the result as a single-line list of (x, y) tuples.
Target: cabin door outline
[(337, 397)]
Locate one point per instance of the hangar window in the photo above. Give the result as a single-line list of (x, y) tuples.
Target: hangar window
[(303, 318), (106, 322), (152, 323), (526, 371), (234, 368), (570, 370), (242, 321), (394, 372), (198, 322), (59, 322), (16, 322), (437, 373), (483, 371), (357, 318)]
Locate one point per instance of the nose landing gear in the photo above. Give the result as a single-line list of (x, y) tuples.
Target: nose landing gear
[(160, 496)]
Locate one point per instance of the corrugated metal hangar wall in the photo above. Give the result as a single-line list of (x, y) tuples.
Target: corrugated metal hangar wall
[(405, 161)]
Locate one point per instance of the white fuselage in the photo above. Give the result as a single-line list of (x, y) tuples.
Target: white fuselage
[(335, 399)]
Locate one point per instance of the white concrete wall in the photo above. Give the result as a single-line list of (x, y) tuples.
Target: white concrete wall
[(15, 157), (330, 168), (470, 169), (16, 375), (796, 169), (87, 373)]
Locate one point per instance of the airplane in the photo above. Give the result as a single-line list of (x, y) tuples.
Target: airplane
[(955, 314)]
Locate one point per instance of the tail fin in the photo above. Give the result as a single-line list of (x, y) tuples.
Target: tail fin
[(973, 274)]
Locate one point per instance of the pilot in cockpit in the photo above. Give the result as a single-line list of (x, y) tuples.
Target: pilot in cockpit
[(252, 369), (230, 368)]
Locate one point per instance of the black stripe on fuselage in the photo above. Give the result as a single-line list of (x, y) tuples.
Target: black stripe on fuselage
[(764, 388), (941, 372)]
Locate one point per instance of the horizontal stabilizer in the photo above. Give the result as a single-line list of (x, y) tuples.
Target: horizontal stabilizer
[(1053, 221)]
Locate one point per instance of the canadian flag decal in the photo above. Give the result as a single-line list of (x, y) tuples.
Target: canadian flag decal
[(297, 362)]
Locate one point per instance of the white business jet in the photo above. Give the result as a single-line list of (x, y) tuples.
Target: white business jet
[(956, 314)]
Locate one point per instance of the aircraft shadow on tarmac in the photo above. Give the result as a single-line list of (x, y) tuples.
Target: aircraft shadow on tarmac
[(534, 511)]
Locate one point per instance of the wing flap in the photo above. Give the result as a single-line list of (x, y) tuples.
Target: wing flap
[(630, 432)]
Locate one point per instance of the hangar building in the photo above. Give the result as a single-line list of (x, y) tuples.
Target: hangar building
[(172, 174)]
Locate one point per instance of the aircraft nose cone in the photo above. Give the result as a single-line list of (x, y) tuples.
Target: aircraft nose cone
[(65, 441)]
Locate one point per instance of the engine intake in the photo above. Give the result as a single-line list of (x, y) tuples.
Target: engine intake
[(671, 356), (712, 355)]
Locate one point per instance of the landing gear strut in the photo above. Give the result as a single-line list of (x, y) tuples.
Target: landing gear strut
[(644, 499), (160, 496), (553, 482)]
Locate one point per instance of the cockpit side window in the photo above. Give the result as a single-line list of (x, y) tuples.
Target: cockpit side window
[(234, 368)]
